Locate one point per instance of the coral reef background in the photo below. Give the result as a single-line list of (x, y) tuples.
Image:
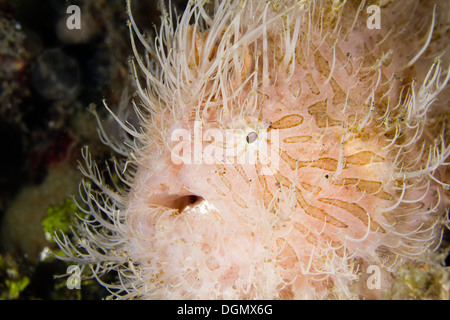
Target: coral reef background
[(49, 79)]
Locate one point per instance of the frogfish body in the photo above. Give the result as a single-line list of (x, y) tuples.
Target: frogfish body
[(287, 149)]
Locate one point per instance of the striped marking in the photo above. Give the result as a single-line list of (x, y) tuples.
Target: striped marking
[(311, 188), (374, 188), (355, 209), (286, 122), (241, 172), (312, 239), (222, 172), (307, 207), (215, 187), (297, 139), (312, 84), (363, 158), (239, 201), (267, 195), (322, 64), (319, 112), (345, 60), (288, 256), (328, 164), (339, 95)]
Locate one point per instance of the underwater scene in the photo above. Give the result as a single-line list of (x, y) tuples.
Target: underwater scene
[(225, 150)]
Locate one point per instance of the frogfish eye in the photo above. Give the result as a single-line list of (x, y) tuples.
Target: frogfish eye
[(251, 137)]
